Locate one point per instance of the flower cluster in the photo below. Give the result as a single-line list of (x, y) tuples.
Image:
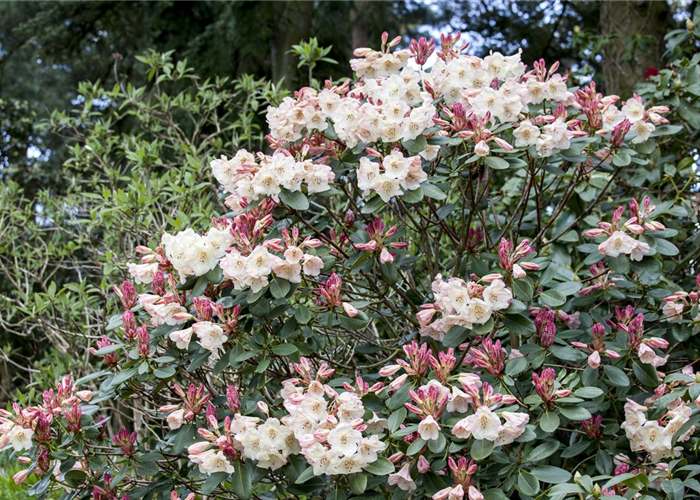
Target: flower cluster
[(656, 436), (254, 269), (461, 303), (391, 176), (619, 241), (484, 423), (325, 426), (249, 178), (676, 304)]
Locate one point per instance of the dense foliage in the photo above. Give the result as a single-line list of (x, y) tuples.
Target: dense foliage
[(134, 166), (450, 277)]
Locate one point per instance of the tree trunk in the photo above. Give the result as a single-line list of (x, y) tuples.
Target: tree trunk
[(293, 25), (358, 18), (636, 30)]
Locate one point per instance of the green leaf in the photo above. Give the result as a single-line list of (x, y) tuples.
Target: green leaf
[(432, 191), (285, 349), (305, 476), (415, 447), (241, 481), (303, 315), (496, 163), (123, 376), (576, 413), (646, 374), (437, 445), (357, 323), (358, 483), (551, 474), (380, 467), (553, 298), (455, 336), (575, 449), (589, 392), (603, 462), (413, 196), (522, 288), (296, 200), (396, 419), (374, 204), (416, 145), (279, 288), (665, 247), (164, 372), (336, 494), (519, 324), (528, 483), (200, 286), (674, 489), (616, 376), (389, 273), (628, 479), (213, 481), (184, 438), (542, 451), (481, 449), (516, 366), (108, 349), (549, 422)]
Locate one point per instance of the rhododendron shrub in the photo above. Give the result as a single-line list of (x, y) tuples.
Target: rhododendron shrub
[(449, 277)]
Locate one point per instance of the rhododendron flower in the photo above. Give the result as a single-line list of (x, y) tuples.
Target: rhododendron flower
[(428, 428)]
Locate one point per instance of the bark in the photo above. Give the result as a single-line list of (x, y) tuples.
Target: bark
[(293, 24), (636, 30), (358, 18)]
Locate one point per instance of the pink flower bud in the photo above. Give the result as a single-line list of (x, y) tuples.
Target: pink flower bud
[(398, 382), (492, 277), (21, 476), (456, 493), (182, 316), (366, 246), (503, 144), (592, 233), (530, 266), (423, 465), (656, 342), (396, 457), (321, 435), (262, 406), (168, 408), (197, 448), (425, 315), (518, 272), (594, 360), (306, 440), (475, 494), (635, 228), (442, 494), (482, 149), (385, 256), (563, 393), (350, 310), (84, 395), (388, 371), (612, 354), (206, 434)]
